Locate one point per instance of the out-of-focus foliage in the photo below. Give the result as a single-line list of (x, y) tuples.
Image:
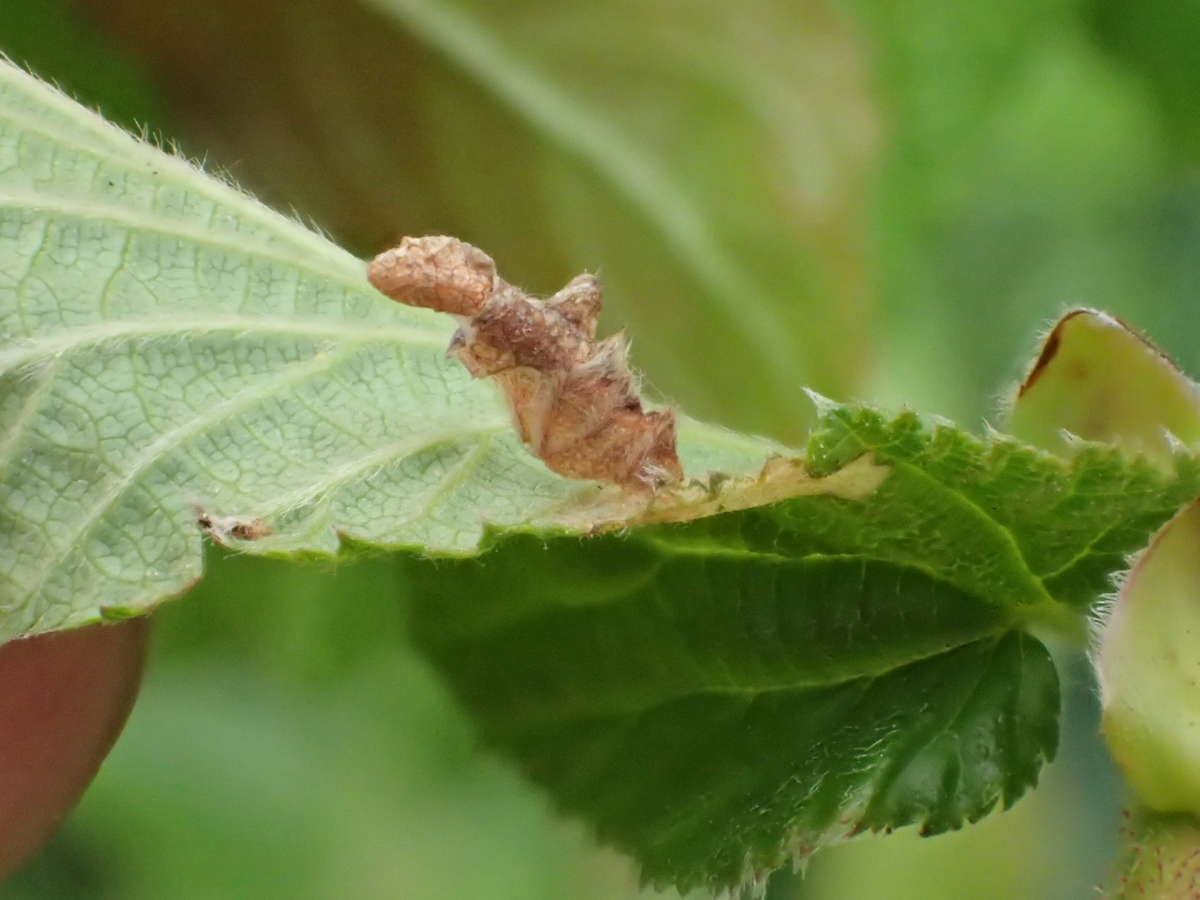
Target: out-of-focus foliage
[(1019, 157), (78, 58), (1157, 41), (1025, 170), (711, 163)]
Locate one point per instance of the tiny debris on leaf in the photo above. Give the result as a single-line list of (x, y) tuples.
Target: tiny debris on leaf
[(222, 528), (574, 399)]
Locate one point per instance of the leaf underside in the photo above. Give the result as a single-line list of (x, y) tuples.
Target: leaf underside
[(168, 346)]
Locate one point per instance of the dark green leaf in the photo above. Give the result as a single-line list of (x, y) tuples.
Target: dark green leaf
[(719, 695)]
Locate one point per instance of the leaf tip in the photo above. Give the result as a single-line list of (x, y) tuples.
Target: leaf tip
[(820, 402)]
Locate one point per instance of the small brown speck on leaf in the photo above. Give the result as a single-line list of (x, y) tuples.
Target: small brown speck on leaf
[(574, 399), (222, 528)]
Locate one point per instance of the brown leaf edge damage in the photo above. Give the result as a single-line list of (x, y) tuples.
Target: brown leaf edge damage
[(781, 478), (1054, 341), (574, 399)]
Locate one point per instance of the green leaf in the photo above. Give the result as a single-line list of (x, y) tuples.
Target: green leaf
[(168, 346), (719, 695)]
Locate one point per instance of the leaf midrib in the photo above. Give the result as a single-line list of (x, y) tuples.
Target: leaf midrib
[(976, 513), (25, 352), (992, 631), (532, 719), (350, 277)]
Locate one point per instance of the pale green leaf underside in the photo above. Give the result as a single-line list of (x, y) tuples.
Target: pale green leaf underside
[(1098, 380), (168, 344)]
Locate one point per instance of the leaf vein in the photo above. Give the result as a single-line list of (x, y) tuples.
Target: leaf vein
[(22, 352), (348, 276), (176, 437)]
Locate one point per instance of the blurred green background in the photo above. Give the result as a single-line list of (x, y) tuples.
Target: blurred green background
[(881, 200)]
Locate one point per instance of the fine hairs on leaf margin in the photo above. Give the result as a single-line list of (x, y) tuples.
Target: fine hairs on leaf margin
[(1005, 397), (170, 154)]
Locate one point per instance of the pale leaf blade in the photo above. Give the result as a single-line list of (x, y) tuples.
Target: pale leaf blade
[(1096, 379), (170, 349)]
